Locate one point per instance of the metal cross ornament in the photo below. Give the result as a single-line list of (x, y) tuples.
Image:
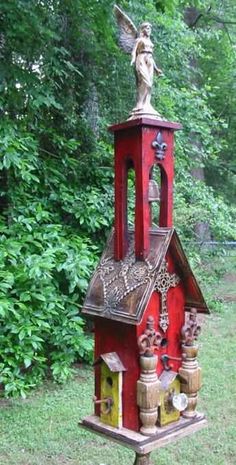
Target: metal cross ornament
[(163, 283)]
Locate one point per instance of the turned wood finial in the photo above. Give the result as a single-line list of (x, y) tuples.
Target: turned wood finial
[(190, 372), (150, 340), (148, 385), (191, 330)]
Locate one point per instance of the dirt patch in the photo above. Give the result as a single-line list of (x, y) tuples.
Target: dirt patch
[(230, 278), (228, 288), (6, 403), (228, 298)]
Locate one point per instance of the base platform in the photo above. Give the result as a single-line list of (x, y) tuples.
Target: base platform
[(144, 444)]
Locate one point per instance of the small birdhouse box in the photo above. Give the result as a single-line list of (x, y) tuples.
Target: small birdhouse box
[(140, 297), (171, 401), (111, 388)]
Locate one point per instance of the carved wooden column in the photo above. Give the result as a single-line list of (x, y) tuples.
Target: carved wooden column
[(148, 389), (148, 386), (190, 372), (191, 376)]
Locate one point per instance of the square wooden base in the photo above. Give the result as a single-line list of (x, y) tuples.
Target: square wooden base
[(143, 444)]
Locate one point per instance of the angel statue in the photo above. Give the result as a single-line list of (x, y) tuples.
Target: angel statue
[(140, 46)]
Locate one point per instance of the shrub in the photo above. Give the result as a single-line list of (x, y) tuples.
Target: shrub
[(43, 275)]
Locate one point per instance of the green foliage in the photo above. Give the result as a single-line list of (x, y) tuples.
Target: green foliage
[(43, 276), (45, 263), (194, 200)]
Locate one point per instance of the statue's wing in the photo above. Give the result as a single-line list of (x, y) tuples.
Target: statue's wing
[(127, 31)]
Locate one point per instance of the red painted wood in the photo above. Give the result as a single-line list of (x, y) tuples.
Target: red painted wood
[(167, 171), (167, 178), (146, 122), (113, 336), (133, 145), (97, 372), (175, 304), (143, 160), (121, 220)]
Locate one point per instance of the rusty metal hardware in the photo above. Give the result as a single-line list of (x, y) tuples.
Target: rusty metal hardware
[(160, 146), (168, 401), (164, 281), (165, 360), (150, 340), (191, 330), (153, 191), (108, 401)]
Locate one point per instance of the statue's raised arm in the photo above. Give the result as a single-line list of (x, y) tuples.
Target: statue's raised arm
[(140, 46)]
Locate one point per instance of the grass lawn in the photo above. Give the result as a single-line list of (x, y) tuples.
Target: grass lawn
[(42, 430)]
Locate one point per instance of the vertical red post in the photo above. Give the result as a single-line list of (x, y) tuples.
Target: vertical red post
[(121, 220), (142, 164), (167, 180), (143, 143)]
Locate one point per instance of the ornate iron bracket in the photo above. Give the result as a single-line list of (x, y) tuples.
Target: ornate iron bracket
[(191, 330), (160, 146)]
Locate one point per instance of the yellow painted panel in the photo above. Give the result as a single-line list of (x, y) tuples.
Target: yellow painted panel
[(167, 415), (111, 386)]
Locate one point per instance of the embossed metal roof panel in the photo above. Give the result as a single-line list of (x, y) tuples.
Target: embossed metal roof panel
[(112, 360), (120, 290)]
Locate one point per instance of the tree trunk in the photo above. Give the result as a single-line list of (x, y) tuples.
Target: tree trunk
[(3, 191), (201, 228), (92, 110)]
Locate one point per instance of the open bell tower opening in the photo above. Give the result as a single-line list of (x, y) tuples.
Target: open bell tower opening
[(139, 144)]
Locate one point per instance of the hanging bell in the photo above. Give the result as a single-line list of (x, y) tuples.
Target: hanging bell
[(153, 191)]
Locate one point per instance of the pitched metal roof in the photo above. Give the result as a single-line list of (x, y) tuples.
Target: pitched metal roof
[(120, 290), (166, 378), (112, 360)]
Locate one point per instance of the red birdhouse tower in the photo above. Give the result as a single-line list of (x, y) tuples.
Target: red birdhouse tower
[(147, 376)]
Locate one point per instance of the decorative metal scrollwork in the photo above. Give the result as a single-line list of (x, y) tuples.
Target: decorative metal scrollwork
[(163, 283), (119, 279), (160, 146)]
